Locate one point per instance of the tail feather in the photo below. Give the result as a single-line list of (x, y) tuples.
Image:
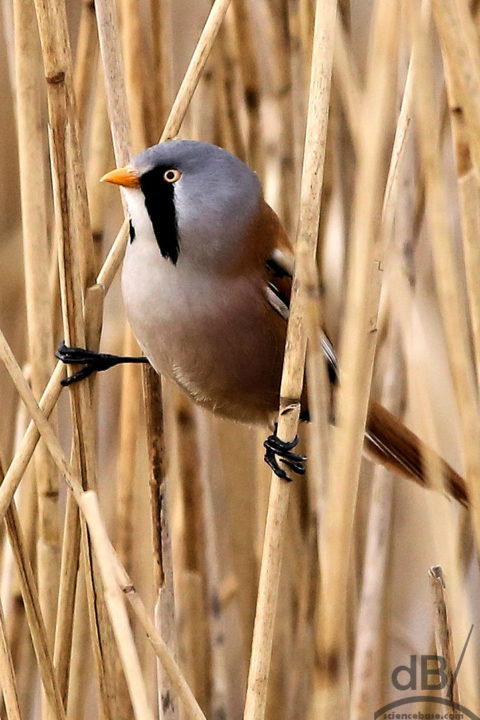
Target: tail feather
[(398, 448)]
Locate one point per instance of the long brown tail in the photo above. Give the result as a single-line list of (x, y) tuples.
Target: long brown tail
[(398, 448)]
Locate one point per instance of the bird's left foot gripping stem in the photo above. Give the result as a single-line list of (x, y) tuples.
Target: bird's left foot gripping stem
[(274, 447), (91, 361)]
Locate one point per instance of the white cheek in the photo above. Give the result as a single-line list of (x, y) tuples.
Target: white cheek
[(138, 213)]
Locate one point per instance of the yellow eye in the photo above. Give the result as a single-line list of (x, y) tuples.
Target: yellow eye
[(171, 175)]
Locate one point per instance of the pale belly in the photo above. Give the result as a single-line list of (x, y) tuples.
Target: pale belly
[(216, 337)]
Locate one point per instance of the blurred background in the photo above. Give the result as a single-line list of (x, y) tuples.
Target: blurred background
[(252, 99)]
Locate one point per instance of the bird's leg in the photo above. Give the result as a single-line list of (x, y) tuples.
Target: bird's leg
[(91, 361), (274, 447)]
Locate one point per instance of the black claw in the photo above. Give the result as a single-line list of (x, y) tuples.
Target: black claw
[(79, 375), (91, 361), (271, 461), (275, 447)]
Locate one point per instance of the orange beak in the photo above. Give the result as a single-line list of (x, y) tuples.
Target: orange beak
[(126, 176)]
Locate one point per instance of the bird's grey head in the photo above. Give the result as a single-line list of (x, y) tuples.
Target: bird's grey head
[(200, 200)]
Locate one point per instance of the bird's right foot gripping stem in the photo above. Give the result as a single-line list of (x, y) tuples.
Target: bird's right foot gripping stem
[(281, 449)]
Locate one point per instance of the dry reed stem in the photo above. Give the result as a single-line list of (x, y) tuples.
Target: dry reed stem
[(29, 442), (468, 192), (349, 83), (445, 265), (368, 640), (152, 387), (371, 604), (135, 72), (417, 380), (319, 403), (36, 260), (292, 377), (17, 632), (116, 607), (356, 355), (117, 612), (299, 86), (117, 91), (7, 674), (34, 614), (114, 86), (227, 109), (164, 612), (40, 419), (369, 616), (32, 608), (162, 550), (162, 52), (75, 261), (71, 547), (280, 49), (192, 591), (66, 596), (126, 460), (7, 14), (139, 702), (195, 69), (124, 83), (99, 158), (85, 62), (456, 44), (174, 674), (71, 541), (114, 258), (220, 704), (76, 269), (443, 632), (300, 665), (113, 570), (81, 659), (121, 135), (306, 13), (249, 73)]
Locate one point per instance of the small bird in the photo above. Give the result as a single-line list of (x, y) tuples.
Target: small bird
[(206, 283)]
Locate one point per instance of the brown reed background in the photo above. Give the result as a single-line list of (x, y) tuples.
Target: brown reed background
[(183, 495)]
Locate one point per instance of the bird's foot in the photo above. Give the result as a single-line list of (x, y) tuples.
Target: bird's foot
[(91, 361), (281, 449)]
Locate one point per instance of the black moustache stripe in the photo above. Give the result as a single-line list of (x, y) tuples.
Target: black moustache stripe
[(160, 206), (131, 230)]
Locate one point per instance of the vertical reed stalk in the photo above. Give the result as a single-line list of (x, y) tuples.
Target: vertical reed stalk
[(220, 703), (75, 259), (36, 258), (162, 551), (356, 353), (468, 192), (162, 52), (443, 632), (445, 264), (292, 378), (85, 63), (33, 612), (7, 674), (372, 601), (250, 80)]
